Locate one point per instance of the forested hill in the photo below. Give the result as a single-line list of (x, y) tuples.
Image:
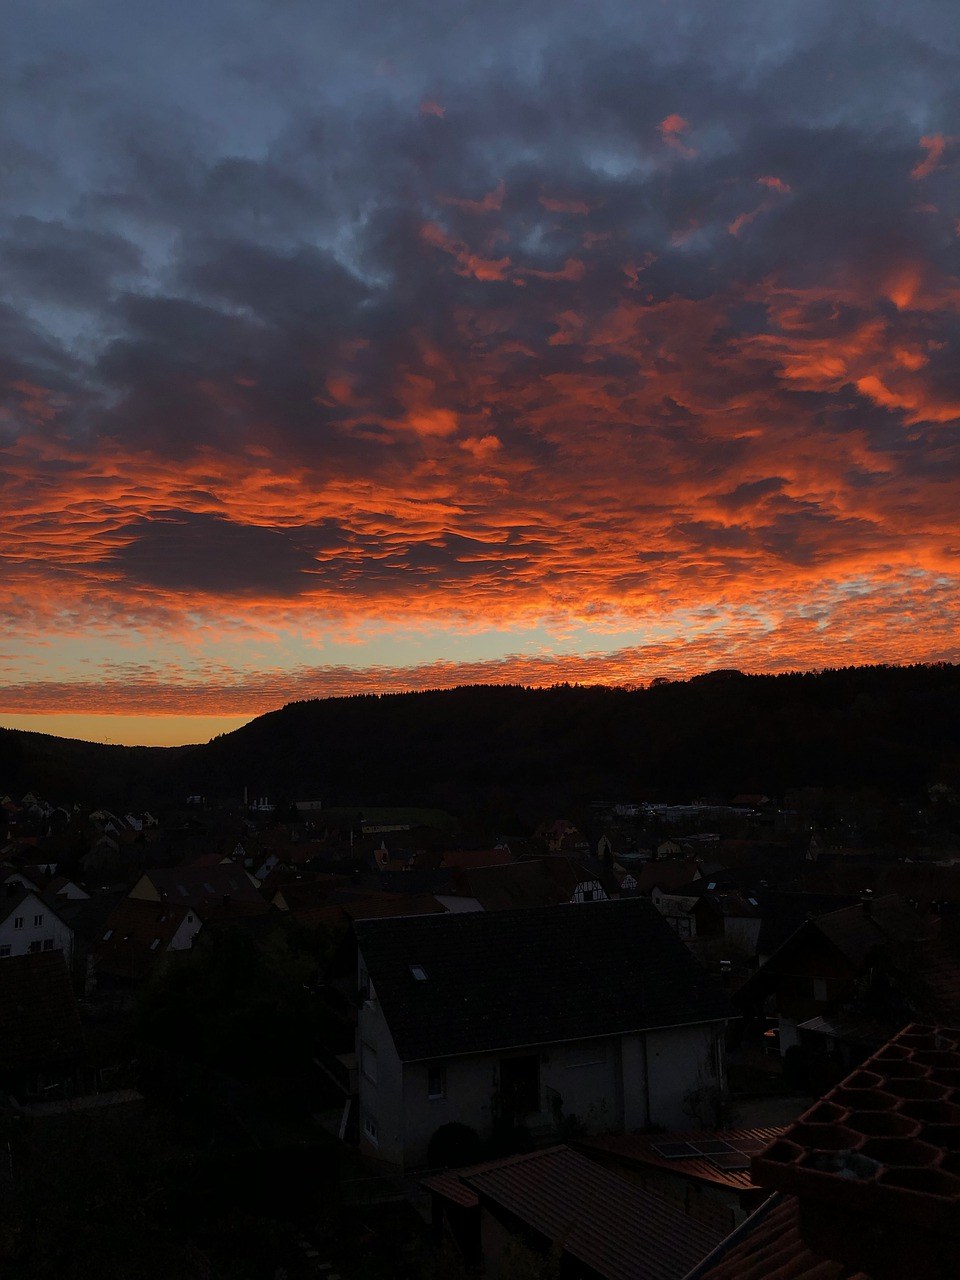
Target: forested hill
[(895, 728)]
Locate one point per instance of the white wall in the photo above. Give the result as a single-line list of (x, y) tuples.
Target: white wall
[(50, 929), (679, 1061)]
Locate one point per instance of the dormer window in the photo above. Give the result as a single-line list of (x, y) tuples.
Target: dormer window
[(418, 972)]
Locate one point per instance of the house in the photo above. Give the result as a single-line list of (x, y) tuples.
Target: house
[(821, 965), (601, 1225), (539, 882), (138, 934), (219, 891), (529, 1016), (29, 925)]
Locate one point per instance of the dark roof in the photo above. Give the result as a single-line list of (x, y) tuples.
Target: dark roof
[(139, 932), (784, 911), (39, 1022), (538, 975), (858, 931), (203, 887), (617, 1229), (539, 882)]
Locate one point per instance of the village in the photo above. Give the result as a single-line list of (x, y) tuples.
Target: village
[(579, 1048)]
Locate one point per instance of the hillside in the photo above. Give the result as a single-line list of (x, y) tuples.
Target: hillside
[(894, 728)]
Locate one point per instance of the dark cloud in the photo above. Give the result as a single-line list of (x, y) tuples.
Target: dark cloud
[(183, 551), (471, 310)]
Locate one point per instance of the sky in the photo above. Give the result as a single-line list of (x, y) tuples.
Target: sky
[(356, 347)]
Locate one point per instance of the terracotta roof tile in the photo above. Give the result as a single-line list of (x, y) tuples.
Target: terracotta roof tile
[(769, 1247), (619, 1230)]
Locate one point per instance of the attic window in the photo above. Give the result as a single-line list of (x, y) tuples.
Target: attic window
[(419, 973)]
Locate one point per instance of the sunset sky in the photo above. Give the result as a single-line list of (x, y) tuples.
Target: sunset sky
[(355, 346)]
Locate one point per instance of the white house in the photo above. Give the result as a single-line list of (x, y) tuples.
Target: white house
[(528, 1017), (29, 925)]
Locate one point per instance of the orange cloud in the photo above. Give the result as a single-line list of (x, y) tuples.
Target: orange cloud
[(428, 107), (671, 129), (934, 145)]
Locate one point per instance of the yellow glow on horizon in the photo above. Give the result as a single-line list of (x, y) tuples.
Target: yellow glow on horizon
[(128, 731)]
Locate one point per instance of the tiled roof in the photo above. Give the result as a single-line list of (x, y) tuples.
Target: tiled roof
[(644, 1149), (769, 1247), (139, 932), (783, 912), (857, 931), (612, 1226), (376, 906), (665, 874), (886, 1141), (538, 975), (539, 882), (201, 886), (468, 859), (39, 1022)]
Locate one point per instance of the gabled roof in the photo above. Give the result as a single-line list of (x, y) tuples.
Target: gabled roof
[(538, 975), (15, 899), (136, 933), (617, 1229), (857, 931), (783, 911), (206, 887), (39, 1022)]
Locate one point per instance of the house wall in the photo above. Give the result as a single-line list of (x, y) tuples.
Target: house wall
[(633, 1066), (189, 927), (679, 1061), (51, 929), (381, 1100)]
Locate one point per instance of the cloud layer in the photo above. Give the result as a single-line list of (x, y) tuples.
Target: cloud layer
[(639, 321)]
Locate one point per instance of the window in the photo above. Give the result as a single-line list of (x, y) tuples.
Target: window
[(48, 944), (368, 1061), (5, 949), (37, 921), (820, 990), (18, 922), (370, 1128), (154, 944), (418, 972), (33, 948), (108, 935), (436, 1083)]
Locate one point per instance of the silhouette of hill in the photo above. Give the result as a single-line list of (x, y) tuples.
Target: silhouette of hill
[(893, 728)]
